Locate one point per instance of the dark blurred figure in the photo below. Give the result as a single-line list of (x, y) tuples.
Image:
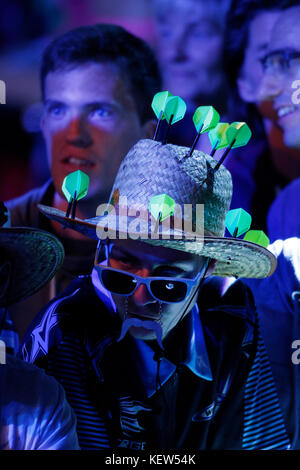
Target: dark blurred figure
[(189, 51), (34, 414), (266, 165), (21, 23), (283, 217), (278, 304), (24, 21), (277, 301)]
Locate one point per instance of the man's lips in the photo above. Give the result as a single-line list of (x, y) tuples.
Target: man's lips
[(283, 111), (72, 160)]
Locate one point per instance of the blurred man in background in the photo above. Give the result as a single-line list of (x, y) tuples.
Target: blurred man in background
[(97, 85)]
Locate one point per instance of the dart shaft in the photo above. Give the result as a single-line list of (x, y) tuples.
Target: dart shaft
[(195, 141), (69, 208), (214, 149), (157, 222), (168, 130), (158, 125), (224, 155), (74, 205)]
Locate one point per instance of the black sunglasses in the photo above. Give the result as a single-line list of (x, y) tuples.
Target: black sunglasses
[(164, 289)]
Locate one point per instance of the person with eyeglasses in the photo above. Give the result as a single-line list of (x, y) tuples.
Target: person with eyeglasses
[(268, 165), (152, 351), (281, 67), (277, 298)]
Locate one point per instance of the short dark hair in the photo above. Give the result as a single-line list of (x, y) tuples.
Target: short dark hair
[(239, 17), (107, 43)]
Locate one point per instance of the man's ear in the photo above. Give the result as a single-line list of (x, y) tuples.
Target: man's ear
[(245, 89), (148, 129)]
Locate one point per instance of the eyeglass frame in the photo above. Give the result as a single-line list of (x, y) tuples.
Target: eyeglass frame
[(190, 283), (287, 54)]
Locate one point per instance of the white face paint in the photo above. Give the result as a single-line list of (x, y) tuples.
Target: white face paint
[(146, 325)]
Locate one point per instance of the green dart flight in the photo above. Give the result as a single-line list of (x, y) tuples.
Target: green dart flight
[(158, 105), (205, 118), (175, 110), (238, 134), (75, 187), (161, 207), (258, 237), (237, 222), (217, 137)]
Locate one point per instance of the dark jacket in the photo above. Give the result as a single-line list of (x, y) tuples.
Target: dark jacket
[(277, 301), (75, 339)]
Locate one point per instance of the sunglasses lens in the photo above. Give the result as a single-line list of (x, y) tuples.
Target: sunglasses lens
[(169, 291), (118, 283)]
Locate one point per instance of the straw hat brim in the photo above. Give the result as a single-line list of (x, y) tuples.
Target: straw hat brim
[(36, 256), (235, 257)]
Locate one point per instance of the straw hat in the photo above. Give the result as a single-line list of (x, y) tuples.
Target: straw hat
[(150, 169), (36, 256)]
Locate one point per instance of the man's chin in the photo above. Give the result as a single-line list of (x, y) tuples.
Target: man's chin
[(291, 138)]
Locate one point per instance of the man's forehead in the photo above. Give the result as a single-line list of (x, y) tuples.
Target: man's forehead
[(261, 27), (86, 80), (186, 10)]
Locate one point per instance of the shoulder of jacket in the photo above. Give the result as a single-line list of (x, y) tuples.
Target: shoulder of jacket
[(23, 209)]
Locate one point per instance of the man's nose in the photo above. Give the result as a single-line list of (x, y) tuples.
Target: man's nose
[(177, 46), (270, 87), (78, 132), (142, 295)]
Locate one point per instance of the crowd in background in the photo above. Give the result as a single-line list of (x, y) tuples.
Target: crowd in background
[(235, 55)]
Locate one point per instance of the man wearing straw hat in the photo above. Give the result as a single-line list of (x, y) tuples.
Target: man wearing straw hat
[(143, 364), (34, 414)]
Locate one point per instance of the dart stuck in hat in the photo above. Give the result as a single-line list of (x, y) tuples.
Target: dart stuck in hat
[(151, 169)]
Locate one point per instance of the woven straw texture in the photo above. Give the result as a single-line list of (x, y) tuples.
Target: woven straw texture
[(151, 168), (36, 256)]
